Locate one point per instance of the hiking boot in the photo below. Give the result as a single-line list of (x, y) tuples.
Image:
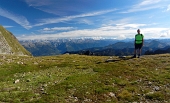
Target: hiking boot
[(134, 56), (138, 55)]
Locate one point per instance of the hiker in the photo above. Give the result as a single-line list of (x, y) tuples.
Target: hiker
[(138, 44)]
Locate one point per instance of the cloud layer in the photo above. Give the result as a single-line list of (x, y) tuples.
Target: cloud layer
[(117, 32)]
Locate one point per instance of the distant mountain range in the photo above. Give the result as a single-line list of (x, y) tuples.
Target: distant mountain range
[(127, 48), (106, 47), (60, 46)]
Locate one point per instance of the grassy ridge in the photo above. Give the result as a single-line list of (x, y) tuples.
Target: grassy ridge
[(87, 79), (17, 48)]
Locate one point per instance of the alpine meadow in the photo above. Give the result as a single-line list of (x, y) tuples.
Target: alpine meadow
[(85, 79)]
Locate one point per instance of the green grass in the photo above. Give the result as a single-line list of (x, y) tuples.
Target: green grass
[(88, 79)]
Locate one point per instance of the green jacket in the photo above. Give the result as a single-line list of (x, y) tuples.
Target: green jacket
[(139, 38)]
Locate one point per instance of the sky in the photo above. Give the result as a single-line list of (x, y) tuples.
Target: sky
[(116, 19)]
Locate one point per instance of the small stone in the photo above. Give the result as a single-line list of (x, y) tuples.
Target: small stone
[(16, 81), (42, 89), (110, 57), (87, 100), (75, 99), (112, 94), (44, 85), (35, 63), (156, 88), (149, 83), (150, 93), (44, 92)]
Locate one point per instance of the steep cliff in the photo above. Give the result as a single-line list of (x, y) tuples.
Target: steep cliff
[(10, 45)]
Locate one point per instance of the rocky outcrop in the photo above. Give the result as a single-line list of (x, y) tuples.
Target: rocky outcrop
[(5, 48), (10, 45)]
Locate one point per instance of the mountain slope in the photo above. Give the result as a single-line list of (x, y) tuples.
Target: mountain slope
[(85, 79), (10, 45)]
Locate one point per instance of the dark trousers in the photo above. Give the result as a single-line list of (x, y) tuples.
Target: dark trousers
[(138, 46)]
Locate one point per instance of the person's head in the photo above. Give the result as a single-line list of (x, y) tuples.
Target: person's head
[(138, 31)]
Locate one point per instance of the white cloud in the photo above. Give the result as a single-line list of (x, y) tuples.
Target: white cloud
[(85, 21), (122, 26), (37, 2), (148, 2), (21, 20), (131, 26), (144, 5), (83, 33), (55, 29), (58, 28), (68, 18), (64, 7), (165, 33), (168, 32), (46, 29), (125, 20), (121, 37), (156, 32), (103, 32), (168, 9), (62, 28)]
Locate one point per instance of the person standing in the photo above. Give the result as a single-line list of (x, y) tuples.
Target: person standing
[(139, 39)]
